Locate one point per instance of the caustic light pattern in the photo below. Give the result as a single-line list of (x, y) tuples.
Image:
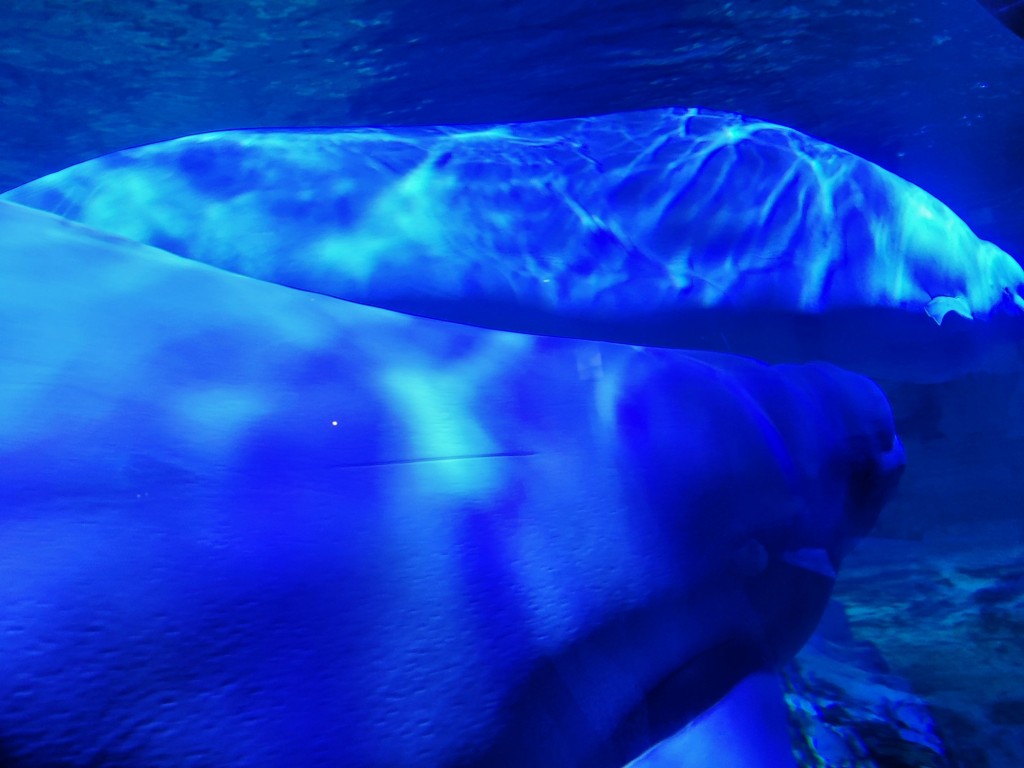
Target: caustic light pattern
[(676, 227)]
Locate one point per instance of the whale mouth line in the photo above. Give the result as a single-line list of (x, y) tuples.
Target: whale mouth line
[(813, 559), (429, 459)]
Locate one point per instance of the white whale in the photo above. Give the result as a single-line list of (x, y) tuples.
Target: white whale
[(243, 524), (672, 227)]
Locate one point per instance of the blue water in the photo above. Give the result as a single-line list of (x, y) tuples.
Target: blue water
[(923, 667)]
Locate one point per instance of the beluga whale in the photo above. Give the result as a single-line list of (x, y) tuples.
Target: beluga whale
[(672, 227), (248, 524)]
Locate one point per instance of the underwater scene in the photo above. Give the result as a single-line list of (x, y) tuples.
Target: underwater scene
[(580, 384)]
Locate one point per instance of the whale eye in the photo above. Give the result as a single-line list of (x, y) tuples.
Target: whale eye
[(751, 557)]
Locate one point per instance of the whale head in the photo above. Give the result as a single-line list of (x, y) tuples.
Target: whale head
[(794, 564)]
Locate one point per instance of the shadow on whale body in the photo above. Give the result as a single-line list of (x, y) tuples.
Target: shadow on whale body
[(1009, 12), (243, 524)]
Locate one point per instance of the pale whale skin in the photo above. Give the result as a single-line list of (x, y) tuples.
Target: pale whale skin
[(243, 524), (673, 227)]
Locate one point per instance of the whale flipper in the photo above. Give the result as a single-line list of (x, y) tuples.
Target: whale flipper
[(749, 727)]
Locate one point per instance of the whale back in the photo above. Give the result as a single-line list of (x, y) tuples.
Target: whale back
[(673, 227)]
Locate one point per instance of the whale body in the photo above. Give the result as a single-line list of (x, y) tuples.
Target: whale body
[(673, 227), (244, 524)]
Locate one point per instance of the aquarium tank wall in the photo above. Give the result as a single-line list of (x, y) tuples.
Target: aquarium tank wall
[(591, 384)]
